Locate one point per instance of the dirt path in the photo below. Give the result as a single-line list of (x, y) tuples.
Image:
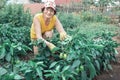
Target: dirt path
[(115, 73)]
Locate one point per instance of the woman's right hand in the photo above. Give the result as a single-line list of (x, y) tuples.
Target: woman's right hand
[(51, 46)]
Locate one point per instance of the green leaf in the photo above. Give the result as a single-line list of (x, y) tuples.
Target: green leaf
[(2, 53), (39, 73), (8, 57), (77, 46), (19, 48), (53, 64), (92, 70), (26, 47), (18, 77), (75, 63), (116, 52), (83, 75), (97, 64), (2, 71), (32, 64), (87, 59), (104, 65), (11, 51), (13, 45), (58, 68), (44, 45), (65, 68), (48, 71), (63, 77), (48, 74), (39, 63), (28, 71)]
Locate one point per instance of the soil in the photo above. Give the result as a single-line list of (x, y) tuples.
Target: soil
[(115, 73)]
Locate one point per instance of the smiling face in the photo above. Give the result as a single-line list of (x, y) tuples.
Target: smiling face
[(48, 12)]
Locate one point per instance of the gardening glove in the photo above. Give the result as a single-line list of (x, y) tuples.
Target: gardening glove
[(63, 35), (51, 46)]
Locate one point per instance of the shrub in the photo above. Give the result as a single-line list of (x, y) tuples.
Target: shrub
[(13, 40), (94, 17), (15, 34), (15, 15), (69, 20)]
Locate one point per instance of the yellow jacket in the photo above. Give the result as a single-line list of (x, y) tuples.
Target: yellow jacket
[(44, 28)]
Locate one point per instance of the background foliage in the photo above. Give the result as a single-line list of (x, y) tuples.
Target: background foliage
[(15, 15), (88, 50)]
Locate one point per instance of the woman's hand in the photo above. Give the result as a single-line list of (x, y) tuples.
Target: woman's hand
[(51, 46), (63, 35)]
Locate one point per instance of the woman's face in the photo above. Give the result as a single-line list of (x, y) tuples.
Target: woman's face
[(48, 12)]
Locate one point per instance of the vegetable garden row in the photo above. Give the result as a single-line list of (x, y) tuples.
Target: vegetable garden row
[(88, 50)]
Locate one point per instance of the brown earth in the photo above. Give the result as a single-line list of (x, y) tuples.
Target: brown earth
[(115, 73)]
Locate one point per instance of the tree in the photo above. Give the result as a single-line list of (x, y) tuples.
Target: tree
[(102, 4), (37, 1)]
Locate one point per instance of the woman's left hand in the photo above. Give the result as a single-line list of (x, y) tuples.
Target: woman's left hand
[(63, 35)]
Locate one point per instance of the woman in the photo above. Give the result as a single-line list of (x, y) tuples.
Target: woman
[(43, 25)]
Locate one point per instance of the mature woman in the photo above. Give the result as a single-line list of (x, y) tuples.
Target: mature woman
[(43, 25)]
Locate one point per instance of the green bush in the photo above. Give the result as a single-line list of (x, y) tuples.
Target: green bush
[(15, 31), (15, 15), (69, 20), (13, 40), (15, 34), (90, 29), (94, 17)]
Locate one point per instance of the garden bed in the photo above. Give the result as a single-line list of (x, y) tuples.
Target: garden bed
[(115, 73)]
